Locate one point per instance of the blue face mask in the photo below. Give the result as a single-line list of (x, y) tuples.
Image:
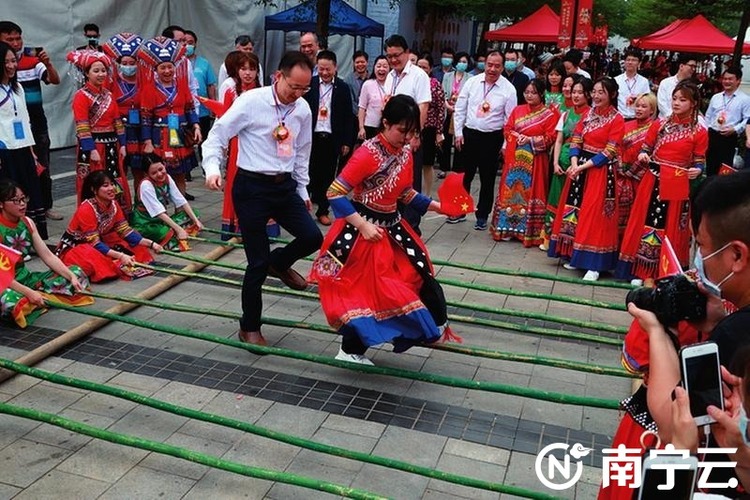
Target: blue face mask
[(447, 62), (128, 70), (711, 287), (510, 66), (94, 40), (189, 50), (461, 66), (743, 426), (480, 66)]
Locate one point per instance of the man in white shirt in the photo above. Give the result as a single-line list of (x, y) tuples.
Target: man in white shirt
[(274, 128), (483, 106), (243, 43), (688, 63), (726, 117), (630, 84), (406, 78), (572, 62), (309, 45)]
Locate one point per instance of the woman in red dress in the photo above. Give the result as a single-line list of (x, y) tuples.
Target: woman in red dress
[(99, 239), (631, 170), (169, 123), (522, 196), (101, 135), (122, 49), (242, 68), (374, 275), (585, 228), (675, 151)]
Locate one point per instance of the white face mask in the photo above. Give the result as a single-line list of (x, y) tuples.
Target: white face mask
[(713, 288)]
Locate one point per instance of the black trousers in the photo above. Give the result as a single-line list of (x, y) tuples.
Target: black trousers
[(412, 216), (323, 162), (41, 150), (256, 200), (481, 152), (720, 150)]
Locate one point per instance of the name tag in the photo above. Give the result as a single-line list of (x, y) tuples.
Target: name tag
[(284, 148), (18, 130), (173, 121), (134, 117)]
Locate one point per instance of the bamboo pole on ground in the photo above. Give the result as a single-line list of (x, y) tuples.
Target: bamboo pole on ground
[(40, 353)]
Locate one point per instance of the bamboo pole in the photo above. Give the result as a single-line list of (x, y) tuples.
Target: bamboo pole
[(40, 353)]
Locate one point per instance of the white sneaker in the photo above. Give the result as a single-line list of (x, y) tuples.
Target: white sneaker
[(354, 358), (591, 276), (569, 267), (636, 282)]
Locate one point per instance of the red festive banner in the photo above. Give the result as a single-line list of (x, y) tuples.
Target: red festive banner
[(566, 23), (584, 24)]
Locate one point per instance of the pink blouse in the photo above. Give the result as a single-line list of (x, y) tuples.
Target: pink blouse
[(371, 99)]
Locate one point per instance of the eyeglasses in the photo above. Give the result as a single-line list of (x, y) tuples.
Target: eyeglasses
[(296, 88), (24, 200), (692, 65), (392, 57)]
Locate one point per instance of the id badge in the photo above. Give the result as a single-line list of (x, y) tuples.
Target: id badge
[(134, 117), (284, 148), (481, 113), (173, 121), (18, 130)]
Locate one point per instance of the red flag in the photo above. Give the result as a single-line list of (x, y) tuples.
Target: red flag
[(726, 169), (673, 183), (669, 264), (584, 24), (454, 199), (215, 107), (566, 24), (8, 259)]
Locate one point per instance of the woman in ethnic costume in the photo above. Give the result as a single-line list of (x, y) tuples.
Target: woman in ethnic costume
[(150, 218), (23, 301), (169, 122), (553, 94), (572, 109), (242, 68), (674, 151), (585, 227), (374, 275), (99, 238), (100, 132), (522, 196), (631, 170), (122, 49), (17, 159)]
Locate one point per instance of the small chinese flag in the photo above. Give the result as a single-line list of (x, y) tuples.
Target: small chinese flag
[(454, 199), (669, 264), (673, 183), (726, 169), (215, 107), (8, 259)]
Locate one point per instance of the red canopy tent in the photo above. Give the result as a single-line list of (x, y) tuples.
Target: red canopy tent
[(543, 26), (693, 35)]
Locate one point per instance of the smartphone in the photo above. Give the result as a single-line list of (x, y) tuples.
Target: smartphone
[(655, 470), (701, 378), (32, 51)]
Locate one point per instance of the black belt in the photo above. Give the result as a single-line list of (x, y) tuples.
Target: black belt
[(322, 135), (272, 178)]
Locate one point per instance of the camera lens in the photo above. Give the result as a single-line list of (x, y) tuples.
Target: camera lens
[(643, 298)]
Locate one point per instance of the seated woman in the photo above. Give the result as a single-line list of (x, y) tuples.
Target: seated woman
[(374, 274), (99, 238), (150, 218), (23, 300)]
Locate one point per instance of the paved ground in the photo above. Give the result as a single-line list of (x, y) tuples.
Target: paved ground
[(480, 434)]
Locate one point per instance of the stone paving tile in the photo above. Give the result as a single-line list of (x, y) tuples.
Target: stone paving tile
[(469, 468), (103, 461), (180, 467), (58, 484), (47, 398), (63, 438), (381, 480), (299, 422), (339, 423), (148, 423), (144, 483), (7, 491), (26, 461)]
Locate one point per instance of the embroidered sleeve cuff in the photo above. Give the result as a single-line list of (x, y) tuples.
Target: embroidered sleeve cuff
[(341, 207), (102, 247), (87, 144), (420, 203), (599, 159), (133, 238), (574, 151)]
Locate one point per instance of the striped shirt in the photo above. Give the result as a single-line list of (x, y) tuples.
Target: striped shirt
[(31, 73)]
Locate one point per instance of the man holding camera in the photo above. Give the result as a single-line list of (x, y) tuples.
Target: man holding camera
[(34, 67), (721, 225)]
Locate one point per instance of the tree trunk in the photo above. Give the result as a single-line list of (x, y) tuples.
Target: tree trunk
[(324, 16), (737, 55), (482, 45)]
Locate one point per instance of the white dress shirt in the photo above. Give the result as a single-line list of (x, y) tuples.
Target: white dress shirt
[(629, 89), (664, 96), (501, 97), (323, 124), (734, 109), (583, 72), (151, 202), (252, 118), (412, 82)]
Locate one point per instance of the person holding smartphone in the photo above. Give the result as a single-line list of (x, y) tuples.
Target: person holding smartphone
[(721, 226)]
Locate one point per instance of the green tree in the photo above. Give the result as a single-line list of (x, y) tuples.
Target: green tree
[(646, 16)]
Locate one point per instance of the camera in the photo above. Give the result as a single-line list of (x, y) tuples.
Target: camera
[(672, 299)]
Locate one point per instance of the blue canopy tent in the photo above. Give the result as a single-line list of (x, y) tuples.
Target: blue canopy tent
[(344, 20)]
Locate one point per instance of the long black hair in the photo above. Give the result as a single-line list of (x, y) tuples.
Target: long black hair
[(93, 182), (13, 81), (8, 189)]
